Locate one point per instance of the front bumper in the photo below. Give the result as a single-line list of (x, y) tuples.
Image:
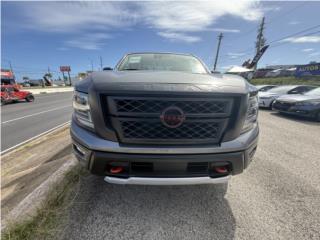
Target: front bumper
[(298, 110), (166, 181), (160, 165), (265, 102)]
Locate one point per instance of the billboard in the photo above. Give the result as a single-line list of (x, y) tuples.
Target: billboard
[(65, 68), (308, 70), (6, 74), (7, 77)]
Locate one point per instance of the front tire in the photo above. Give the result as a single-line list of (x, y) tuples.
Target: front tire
[(270, 106), (30, 98)]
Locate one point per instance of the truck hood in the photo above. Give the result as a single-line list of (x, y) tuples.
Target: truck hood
[(297, 98), (164, 81)]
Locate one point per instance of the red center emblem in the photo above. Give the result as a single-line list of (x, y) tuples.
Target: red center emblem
[(172, 117)]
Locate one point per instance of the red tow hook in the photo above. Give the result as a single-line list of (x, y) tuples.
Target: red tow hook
[(115, 170), (221, 169)]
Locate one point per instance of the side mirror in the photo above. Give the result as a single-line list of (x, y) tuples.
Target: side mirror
[(107, 69)]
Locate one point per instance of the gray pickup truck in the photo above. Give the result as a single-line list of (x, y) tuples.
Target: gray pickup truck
[(164, 119)]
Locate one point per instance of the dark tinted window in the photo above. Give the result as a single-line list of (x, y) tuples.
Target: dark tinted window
[(302, 89), (266, 88)]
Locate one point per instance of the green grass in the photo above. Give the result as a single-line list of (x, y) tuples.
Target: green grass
[(49, 218), (287, 81)]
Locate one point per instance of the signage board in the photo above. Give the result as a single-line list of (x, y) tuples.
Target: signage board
[(65, 68), (308, 70)]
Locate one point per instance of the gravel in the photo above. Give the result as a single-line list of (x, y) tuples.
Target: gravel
[(278, 197)]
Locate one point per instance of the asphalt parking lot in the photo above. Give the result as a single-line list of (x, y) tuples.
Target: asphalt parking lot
[(278, 197)]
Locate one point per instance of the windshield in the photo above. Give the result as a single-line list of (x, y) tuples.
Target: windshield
[(161, 62), (281, 90), (313, 92)]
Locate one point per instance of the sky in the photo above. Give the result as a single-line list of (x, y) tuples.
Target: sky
[(38, 35)]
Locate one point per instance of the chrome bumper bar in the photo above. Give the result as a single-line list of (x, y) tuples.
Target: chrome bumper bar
[(166, 181)]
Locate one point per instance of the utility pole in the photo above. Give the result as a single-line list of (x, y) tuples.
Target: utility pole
[(218, 49), (10, 67), (261, 41), (101, 65), (49, 70), (91, 65)]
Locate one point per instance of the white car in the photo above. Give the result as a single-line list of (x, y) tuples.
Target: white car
[(267, 98), (264, 88)]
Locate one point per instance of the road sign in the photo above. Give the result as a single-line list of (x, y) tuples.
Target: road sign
[(65, 68)]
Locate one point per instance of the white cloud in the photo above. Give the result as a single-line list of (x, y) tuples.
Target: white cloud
[(88, 42), (293, 23), (224, 30), (227, 67), (307, 50), (304, 39), (196, 15), (181, 37), (171, 20), (235, 55), (76, 16), (314, 54)]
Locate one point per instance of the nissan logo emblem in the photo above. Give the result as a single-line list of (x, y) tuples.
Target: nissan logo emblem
[(172, 117)]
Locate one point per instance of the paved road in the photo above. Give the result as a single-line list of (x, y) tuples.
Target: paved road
[(278, 197), (22, 121)]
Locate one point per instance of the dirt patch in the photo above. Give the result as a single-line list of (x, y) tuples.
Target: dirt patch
[(26, 168)]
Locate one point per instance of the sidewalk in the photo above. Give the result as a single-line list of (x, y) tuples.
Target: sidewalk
[(40, 90)]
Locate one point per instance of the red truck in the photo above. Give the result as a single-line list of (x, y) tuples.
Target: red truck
[(10, 93)]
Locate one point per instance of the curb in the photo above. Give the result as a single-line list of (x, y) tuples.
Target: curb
[(28, 207), (17, 147)]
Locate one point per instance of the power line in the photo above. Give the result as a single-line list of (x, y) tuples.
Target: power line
[(283, 43), (294, 34), (286, 13), (282, 38), (267, 23)]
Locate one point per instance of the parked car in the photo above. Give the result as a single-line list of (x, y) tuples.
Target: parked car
[(10, 93), (264, 88), (267, 98), (307, 104), (164, 119)]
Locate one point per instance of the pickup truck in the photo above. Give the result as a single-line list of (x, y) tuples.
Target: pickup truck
[(11, 93), (164, 119)]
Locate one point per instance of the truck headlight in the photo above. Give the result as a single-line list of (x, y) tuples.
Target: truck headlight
[(252, 113), (82, 109)]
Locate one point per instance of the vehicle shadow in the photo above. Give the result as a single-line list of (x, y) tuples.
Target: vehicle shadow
[(295, 118), (106, 211)]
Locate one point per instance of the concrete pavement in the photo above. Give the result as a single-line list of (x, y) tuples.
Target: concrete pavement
[(22, 121), (276, 198)]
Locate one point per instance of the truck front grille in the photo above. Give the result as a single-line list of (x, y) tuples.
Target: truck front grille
[(156, 130), (139, 120), (157, 106)]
